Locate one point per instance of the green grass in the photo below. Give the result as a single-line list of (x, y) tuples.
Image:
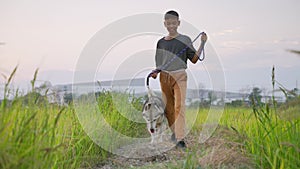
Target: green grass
[(41, 135), (36, 134), (271, 141)]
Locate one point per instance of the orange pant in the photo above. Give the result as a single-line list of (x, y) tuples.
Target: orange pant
[(173, 86)]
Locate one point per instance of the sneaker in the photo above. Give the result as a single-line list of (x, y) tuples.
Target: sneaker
[(173, 138), (181, 144)]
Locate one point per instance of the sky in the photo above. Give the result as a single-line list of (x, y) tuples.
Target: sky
[(248, 37)]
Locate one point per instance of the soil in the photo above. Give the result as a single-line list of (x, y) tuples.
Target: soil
[(222, 150)]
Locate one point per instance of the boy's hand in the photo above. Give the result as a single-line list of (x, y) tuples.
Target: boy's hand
[(203, 38), (154, 75)]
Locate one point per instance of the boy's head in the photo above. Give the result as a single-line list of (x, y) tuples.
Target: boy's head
[(172, 22), (171, 15)]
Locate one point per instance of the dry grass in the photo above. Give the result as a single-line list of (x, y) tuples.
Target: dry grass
[(224, 153)]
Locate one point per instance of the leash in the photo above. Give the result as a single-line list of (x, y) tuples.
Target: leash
[(177, 56)]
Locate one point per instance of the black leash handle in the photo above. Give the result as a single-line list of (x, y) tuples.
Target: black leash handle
[(203, 54), (150, 74)]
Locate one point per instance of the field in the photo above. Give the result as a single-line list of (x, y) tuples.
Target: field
[(36, 134)]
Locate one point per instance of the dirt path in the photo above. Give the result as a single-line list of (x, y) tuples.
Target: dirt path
[(222, 150)]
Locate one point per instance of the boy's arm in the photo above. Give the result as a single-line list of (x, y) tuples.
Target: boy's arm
[(203, 41), (158, 61)]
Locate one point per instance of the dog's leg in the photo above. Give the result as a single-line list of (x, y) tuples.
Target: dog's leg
[(161, 131), (152, 138), (156, 136), (161, 136)]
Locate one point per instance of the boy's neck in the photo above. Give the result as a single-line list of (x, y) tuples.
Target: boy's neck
[(172, 36)]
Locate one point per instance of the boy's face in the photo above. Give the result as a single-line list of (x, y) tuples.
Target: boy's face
[(172, 24)]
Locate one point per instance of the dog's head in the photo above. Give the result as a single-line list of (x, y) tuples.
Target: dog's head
[(153, 111)]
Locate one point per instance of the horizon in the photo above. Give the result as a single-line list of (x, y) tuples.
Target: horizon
[(126, 85)]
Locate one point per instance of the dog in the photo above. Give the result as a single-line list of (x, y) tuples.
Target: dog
[(154, 115)]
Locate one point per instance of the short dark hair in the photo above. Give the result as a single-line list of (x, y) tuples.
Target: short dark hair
[(171, 14)]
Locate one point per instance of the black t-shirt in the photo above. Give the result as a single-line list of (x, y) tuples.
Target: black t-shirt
[(166, 50)]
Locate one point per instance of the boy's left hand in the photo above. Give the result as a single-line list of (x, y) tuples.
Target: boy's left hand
[(204, 37)]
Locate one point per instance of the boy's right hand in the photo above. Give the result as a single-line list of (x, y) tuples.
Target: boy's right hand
[(154, 75)]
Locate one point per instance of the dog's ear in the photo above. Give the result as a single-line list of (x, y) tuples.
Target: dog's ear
[(147, 107), (147, 100)]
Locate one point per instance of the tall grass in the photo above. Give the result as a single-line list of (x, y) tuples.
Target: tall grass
[(111, 105), (272, 141), (36, 134)]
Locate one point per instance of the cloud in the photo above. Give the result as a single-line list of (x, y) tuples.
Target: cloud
[(237, 44), (227, 31), (291, 41), (56, 76)]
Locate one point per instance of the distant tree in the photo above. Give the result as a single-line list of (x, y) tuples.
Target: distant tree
[(290, 94), (68, 98), (295, 91), (44, 88), (201, 87), (237, 103), (245, 92), (212, 97), (33, 98), (255, 96)]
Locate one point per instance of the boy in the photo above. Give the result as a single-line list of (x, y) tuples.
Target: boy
[(173, 78)]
